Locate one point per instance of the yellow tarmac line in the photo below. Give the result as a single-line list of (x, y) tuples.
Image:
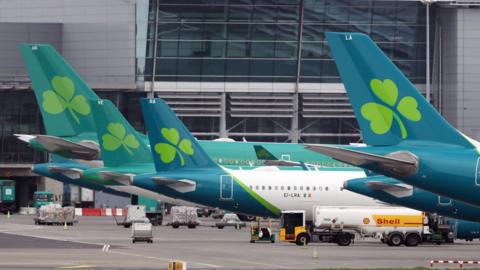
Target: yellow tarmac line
[(80, 266)]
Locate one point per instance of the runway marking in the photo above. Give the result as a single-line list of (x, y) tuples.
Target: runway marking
[(81, 266), (164, 259), (106, 248)]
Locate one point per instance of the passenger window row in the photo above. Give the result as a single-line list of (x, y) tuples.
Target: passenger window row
[(288, 188)]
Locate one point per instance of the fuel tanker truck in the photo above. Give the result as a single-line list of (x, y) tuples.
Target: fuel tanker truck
[(393, 225)]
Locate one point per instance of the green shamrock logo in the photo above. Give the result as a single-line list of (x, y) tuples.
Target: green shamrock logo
[(117, 137), (168, 151), (381, 116), (62, 97)]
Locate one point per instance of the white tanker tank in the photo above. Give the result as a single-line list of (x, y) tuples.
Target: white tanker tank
[(399, 222)]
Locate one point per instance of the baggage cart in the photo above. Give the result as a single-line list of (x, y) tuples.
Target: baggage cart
[(142, 231)]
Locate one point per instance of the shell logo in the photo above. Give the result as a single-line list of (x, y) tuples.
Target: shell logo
[(366, 221)]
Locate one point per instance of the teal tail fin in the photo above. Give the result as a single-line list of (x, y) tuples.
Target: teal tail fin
[(120, 143), (172, 145), (60, 92), (388, 107), (263, 154)]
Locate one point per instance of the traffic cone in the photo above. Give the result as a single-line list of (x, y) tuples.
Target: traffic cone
[(65, 226), (8, 215), (305, 244), (315, 255)]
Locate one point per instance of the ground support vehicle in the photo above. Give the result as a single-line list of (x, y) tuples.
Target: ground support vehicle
[(230, 220), (55, 214), (294, 229), (259, 233), (153, 209), (134, 213), (204, 212), (184, 216), (142, 231), (42, 198), (394, 225), (7, 196)]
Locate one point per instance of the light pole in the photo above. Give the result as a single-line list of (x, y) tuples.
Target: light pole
[(427, 63)]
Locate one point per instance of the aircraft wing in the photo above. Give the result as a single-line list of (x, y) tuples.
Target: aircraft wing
[(124, 179), (72, 173), (397, 190), (182, 185), (399, 164), (86, 150)]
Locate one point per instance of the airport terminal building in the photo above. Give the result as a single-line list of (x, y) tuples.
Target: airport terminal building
[(256, 70)]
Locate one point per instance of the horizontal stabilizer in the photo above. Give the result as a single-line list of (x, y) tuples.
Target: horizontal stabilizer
[(400, 164), (72, 173), (182, 185), (87, 150), (124, 179), (25, 137), (397, 190), (282, 163)]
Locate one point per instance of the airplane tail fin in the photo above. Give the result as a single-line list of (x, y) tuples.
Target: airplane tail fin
[(388, 107), (172, 145), (60, 92), (120, 143)]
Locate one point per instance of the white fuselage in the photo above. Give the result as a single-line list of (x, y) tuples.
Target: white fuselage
[(302, 190)]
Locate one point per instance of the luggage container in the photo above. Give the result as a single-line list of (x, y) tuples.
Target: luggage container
[(184, 216), (134, 213), (55, 214), (142, 231)]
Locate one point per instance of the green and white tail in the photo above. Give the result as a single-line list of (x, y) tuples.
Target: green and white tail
[(173, 146), (120, 143), (60, 92), (388, 107)]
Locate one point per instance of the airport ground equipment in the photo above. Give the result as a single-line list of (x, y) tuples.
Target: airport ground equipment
[(230, 220), (204, 212), (134, 213), (394, 225), (153, 209), (7, 196), (294, 229), (259, 233), (142, 231), (55, 214), (184, 216), (218, 214), (42, 198)]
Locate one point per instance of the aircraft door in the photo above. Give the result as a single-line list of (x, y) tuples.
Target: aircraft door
[(226, 187), (443, 201)]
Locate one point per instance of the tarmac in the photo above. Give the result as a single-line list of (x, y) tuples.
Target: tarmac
[(98, 243)]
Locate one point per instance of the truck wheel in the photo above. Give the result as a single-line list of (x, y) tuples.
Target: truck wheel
[(220, 227), (175, 226), (302, 239), (192, 226), (344, 240), (412, 240), (395, 239)]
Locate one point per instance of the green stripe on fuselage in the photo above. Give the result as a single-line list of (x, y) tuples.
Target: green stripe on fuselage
[(270, 207)]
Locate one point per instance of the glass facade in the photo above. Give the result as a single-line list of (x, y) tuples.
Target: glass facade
[(272, 42), (19, 115), (257, 40)]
